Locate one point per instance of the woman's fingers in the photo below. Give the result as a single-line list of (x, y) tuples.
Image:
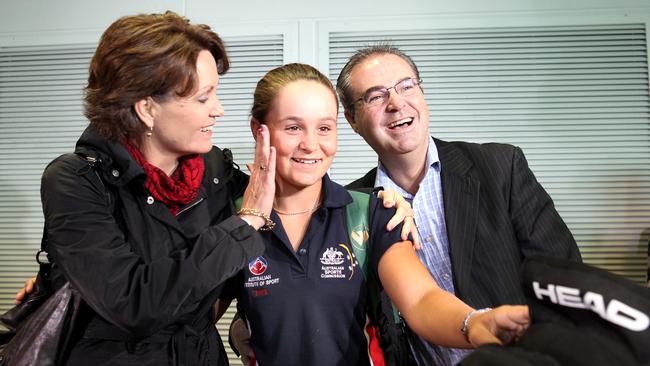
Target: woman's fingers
[(269, 172), (262, 151), (262, 147)]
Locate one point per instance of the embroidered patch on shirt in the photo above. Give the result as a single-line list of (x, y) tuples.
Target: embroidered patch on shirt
[(338, 262), (257, 267)]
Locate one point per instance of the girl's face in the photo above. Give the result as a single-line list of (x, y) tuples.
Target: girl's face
[(183, 126), (302, 127)]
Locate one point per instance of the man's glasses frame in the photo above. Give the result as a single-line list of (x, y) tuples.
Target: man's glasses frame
[(379, 96)]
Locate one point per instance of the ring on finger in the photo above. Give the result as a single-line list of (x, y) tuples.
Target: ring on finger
[(262, 167)]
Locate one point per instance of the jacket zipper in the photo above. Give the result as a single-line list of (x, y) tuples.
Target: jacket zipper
[(190, 206)]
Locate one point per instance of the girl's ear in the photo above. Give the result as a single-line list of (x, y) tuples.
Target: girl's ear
[(145, 109)]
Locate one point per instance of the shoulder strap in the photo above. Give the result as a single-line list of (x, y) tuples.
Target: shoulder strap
[(357, 214), (358, 229)]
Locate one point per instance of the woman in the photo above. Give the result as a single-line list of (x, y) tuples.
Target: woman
[(305, 298), (140, 219)]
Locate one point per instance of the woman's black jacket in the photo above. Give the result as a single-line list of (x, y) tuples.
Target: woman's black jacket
[(149, 279)]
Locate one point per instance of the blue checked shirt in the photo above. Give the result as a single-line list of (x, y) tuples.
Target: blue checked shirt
[(430, 218)]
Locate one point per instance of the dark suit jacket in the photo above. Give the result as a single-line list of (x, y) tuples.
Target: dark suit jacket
[(497, 214)]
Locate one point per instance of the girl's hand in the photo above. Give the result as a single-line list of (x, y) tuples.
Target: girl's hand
[(403, 214)]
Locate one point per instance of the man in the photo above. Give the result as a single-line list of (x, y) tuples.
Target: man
[(479, 208)]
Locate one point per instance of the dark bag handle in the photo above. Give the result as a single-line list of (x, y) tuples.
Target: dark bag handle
[(42, 290)]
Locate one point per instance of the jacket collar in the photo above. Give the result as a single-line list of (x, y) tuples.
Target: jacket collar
[(452, 159), (116, 164), (119, 168)]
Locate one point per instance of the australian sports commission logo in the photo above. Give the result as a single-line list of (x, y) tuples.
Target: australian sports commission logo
[(338, 262), (332, 256)]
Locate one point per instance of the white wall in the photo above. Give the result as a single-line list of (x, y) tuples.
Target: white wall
[(302, 22), (32, 16)]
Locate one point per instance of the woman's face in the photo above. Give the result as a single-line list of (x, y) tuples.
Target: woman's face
[(302, 127), (183, 126)]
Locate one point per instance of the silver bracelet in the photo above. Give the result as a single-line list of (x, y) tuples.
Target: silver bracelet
[(464, 329)]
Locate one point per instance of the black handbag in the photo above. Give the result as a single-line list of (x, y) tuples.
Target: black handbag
[(41, 291), (39, 328), (43, 337)]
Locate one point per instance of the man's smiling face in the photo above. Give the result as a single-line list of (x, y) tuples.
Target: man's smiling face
[(401, 124)]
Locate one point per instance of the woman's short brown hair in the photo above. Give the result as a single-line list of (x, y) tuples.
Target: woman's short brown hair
[(148, 55)]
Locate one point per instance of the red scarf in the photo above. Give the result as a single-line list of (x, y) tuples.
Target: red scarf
[(176, 190)]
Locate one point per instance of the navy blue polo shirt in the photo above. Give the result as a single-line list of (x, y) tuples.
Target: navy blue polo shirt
[(309, 307)]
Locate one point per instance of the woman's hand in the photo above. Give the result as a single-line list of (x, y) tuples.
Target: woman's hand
[(403, 214), (29, 287), (501, 325), (260, 192)]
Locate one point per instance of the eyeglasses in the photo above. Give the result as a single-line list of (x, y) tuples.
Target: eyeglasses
[(379, 96)]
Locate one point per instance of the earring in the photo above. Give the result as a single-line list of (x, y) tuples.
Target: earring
[(150, 132)]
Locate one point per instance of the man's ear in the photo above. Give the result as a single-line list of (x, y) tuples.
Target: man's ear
[(350, 118), (145, 109), (255, 125)]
